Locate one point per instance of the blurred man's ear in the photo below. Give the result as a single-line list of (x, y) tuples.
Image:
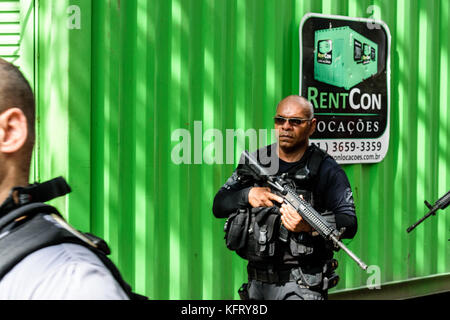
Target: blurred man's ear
[(13, 130)]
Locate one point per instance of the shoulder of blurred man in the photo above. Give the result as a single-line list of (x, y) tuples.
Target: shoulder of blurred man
[(65, 271)]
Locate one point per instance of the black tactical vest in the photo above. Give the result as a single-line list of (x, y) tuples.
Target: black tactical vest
[(32, 225), (255, 233)]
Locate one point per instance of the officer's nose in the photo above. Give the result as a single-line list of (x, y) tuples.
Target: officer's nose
[(286, 126)]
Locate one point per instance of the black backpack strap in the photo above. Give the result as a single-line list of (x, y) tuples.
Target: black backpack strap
[(26, 210), (37, 192), (307, 171), (48, 190), (19, 239), (116, 274), (315, 160)]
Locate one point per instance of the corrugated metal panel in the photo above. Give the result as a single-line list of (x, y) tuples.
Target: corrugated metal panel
[(112, 93), (9, 30)]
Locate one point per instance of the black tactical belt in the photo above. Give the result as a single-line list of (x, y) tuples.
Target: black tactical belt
[(269, 276), (309, 278), (273, 276)]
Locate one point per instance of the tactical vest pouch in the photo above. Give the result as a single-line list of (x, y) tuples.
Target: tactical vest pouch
[(236, 229), (264, 235), (298, 249), (300, 245)]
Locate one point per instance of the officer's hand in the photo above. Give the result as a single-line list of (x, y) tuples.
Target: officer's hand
[(293, 221), (261, 197)]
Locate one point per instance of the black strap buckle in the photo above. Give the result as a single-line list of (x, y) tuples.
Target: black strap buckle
[(46, 191), (37, 192)]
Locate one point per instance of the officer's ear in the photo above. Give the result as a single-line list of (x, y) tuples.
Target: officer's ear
[(13, 130), (312, 126)]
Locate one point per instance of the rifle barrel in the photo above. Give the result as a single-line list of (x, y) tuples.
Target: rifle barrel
[(411, 228), (441, 203), (360, 263)]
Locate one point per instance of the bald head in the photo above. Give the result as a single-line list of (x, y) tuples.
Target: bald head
[(15, 91), (300, 102)]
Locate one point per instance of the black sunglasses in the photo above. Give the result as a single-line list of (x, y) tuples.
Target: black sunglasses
[(279, 120)]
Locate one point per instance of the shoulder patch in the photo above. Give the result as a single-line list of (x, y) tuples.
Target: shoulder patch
[(232, 181), (349, 196)]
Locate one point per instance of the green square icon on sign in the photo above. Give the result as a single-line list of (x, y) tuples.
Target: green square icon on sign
[(343, 57)]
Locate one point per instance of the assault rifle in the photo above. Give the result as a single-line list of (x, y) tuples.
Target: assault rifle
[(307, 212), (441, 203)]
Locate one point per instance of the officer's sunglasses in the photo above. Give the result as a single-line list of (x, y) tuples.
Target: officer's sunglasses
[(279, 120)]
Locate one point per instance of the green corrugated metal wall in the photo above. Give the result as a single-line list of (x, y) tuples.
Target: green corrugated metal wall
[(111, 94), (9, 30)]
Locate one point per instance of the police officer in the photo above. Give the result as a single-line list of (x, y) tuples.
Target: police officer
[(303, 266), (61, 263)]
